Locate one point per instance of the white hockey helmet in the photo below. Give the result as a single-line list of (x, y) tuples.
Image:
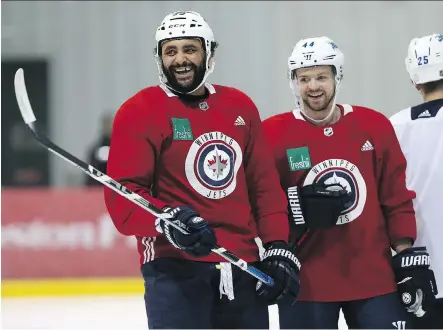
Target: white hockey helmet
[(314, 52), (424, 62), (180, 25)]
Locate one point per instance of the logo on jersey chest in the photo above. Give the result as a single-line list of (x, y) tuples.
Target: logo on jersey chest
[(212, 164), (343, 172), (298, 159), (328, 131), (203, 106), (182, 129)]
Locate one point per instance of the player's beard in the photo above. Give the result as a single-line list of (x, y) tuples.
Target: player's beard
[(319, 106), (184, 88)]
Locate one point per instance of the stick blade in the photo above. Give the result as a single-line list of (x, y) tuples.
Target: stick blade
[(22, 97)]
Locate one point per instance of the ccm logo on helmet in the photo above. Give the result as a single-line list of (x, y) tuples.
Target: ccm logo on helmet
[(176, 25)]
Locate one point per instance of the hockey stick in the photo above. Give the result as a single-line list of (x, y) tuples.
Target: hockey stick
[(29, 118)]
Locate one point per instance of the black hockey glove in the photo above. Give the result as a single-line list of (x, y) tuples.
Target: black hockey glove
[(316, 205), (201, 238), (415, 281), (283, 266)]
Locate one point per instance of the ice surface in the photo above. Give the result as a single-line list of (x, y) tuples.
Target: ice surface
[(85, 312)]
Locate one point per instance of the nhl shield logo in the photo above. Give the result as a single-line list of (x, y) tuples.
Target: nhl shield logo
[(203, 105), (328, 131)]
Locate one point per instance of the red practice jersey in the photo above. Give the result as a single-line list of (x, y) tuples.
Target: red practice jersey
[(210, 155), (361, 152)]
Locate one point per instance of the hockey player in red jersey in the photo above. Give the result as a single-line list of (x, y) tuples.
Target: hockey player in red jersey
[(198, 151), (344, 174)]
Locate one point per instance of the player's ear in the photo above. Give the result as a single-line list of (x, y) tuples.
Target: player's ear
[(214, 46), (415, 85), (419, 87), (211, 58)]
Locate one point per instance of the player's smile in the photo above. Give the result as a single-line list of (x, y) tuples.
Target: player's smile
[(316, 99), (315, 96), (183, 74)]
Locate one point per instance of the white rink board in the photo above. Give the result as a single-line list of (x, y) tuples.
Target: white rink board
[(82, 312)]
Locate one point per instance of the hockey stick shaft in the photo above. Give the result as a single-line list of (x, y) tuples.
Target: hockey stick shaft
[(29, 118)]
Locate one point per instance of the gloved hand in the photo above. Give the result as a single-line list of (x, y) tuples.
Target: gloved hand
[(316, 205), (283, 266), (201, 238), (415, 281)]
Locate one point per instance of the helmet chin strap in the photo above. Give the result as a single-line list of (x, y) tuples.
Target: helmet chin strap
[(331, 111)]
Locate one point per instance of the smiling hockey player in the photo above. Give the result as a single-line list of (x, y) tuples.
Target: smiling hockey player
[(198, 151), (344, 173)]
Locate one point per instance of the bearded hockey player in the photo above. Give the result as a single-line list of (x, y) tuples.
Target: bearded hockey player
[(420, 132), (344, 174), (198, 151)]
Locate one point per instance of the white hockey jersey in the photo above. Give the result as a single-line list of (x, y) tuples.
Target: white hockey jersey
[(420, 132)]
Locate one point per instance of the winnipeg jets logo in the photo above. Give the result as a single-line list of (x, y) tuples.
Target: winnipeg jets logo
[(347, 175), (217, 164), (212, 164), (338, 179)]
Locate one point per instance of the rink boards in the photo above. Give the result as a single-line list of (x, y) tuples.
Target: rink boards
[(62, 242)]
